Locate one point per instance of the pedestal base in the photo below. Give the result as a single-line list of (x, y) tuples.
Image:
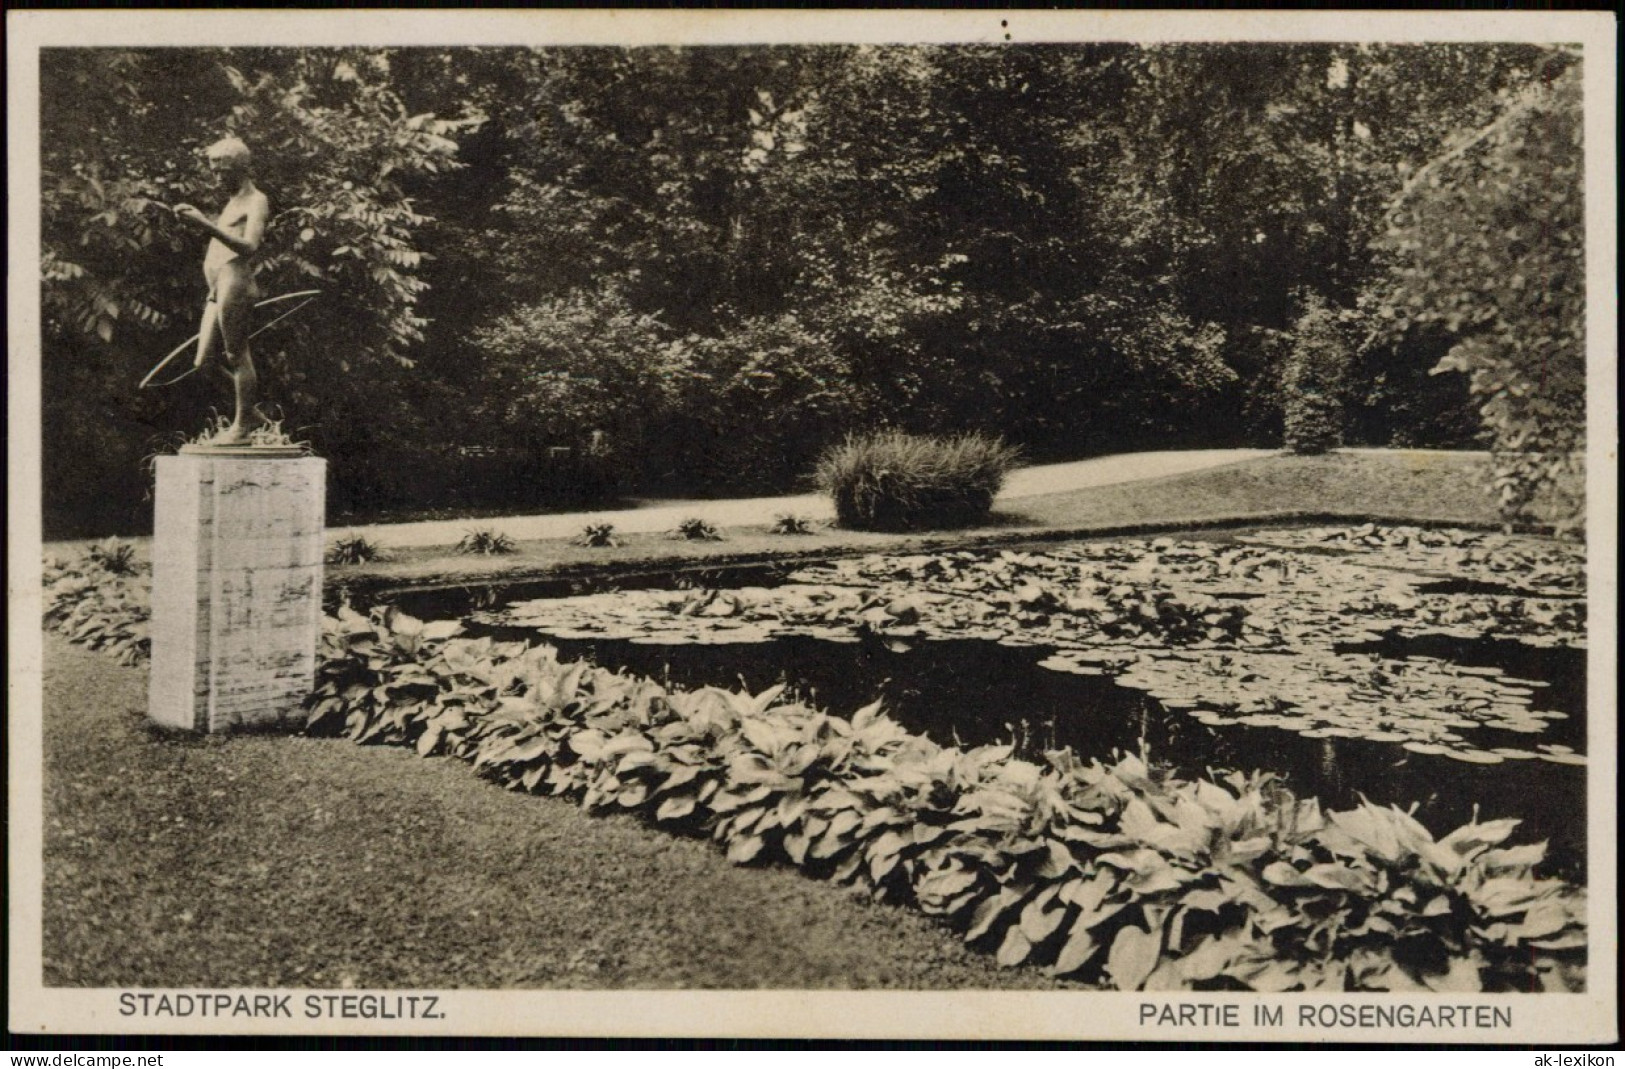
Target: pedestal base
[(236, 590)]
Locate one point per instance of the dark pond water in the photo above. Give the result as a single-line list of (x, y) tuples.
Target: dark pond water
[(452, 602), (1479, 586), (970, 693)]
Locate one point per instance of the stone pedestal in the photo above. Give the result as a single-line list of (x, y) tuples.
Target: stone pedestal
[(236, 588)]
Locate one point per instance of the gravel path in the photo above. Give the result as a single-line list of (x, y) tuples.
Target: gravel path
[(666, 514)]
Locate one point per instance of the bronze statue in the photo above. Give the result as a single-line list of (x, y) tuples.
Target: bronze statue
[(228, 267)]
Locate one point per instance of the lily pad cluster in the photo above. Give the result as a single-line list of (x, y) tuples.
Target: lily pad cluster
[(1232, 632), (1112, 873), (1537, 566)]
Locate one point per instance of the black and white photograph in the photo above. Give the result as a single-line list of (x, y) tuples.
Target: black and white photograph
[(852, 525)]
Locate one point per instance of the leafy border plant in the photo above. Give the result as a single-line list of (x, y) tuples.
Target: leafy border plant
[(101, 606), (1116, 874)]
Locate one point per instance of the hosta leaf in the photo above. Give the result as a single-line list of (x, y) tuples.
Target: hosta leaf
[(766, 735), (831, 843), (884, 816), (1371, 828), (1555, 974), (1271, 976), (1505, 895), (1211, 956), (676, 807), (865, 716), (441, 629), (1079, 949), (1283, 874), (1040, 918), (627, 742), (1572, 940), (1470, 838), (1464, 974), (730, 800), (681, 776), (745, 848), (1055, 862), (589, 744), (847, 868), (1513, 857), (791, 809), (1015, 948), (748, 706), (429, 740), (887, 844), (1542, 921), (941, 884), (1342, 877), (1134, 953), (987, 914), (1088, 892), (795, 845)]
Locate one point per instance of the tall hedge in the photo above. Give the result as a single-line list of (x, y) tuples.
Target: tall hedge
[(1315, 381)]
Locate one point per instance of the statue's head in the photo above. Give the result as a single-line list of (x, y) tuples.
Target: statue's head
[(229, 158)]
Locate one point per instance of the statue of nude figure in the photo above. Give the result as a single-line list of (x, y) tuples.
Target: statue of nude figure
[(229, 270)]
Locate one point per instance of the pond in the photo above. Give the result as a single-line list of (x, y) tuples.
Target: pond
[(1441, 668)]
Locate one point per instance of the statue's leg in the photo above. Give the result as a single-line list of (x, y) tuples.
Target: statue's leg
[(208, 334), (236, 302)]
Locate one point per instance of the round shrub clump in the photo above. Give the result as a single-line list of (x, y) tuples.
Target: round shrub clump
[(892, 481)]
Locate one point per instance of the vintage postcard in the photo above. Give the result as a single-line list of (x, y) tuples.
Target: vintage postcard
[(931, 525)]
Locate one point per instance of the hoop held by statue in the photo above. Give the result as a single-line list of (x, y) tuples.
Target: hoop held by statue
[(308, 295)]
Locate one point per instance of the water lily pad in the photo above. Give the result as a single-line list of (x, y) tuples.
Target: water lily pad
[(1475, 757)]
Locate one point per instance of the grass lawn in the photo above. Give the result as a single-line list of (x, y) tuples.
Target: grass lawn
[(271, 861), (1422, 486)]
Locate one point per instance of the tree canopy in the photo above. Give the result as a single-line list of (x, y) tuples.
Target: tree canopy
[(711, 263)]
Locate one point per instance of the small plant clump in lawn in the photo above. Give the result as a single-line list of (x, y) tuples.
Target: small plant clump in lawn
[(694, 529), (354, 549), (486, 542), (791, 524), (597, 536), (115, 556), (892, 481)]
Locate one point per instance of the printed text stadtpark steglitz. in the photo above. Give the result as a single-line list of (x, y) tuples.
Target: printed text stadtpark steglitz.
[(346, 1006), (1323, 1015)]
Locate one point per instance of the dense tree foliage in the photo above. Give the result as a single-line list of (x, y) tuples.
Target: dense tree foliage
[(701, 266), (1487, 243)]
